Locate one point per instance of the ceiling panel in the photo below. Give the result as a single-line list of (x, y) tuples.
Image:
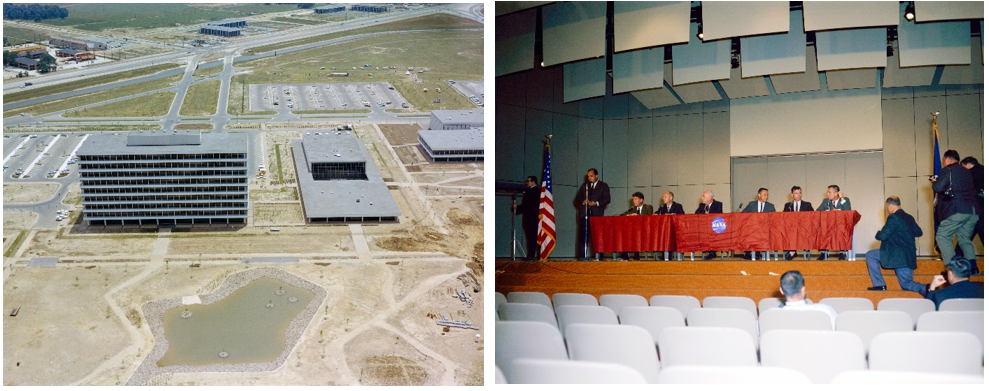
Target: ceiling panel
[(851, 79), (638, 70), (851, 49), (798, 82), (737, 87), (584, 79), (701, 61), (515, 42), (573, 31), (697, 92), (927, 11), (966, 74), (936, 43), (776, 53), (726, 19), (829, 15), (642, 24), (505, 7), (894, 76)]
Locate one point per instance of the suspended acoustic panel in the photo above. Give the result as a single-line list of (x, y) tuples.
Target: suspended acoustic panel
[(776, 53), (507, 7), (830, 15), (935, 43), (584, 79), (638, 70), (515, 42), (573, 31), (726, 19), (927, 11), (703, 91), (894, 76), (701, 61), (850, 49), (658, 97), (808, 122), (643, 24), (851, 79), (738, 87), (966, 74)]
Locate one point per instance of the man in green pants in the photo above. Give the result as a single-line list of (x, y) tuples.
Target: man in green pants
[(956, 202)]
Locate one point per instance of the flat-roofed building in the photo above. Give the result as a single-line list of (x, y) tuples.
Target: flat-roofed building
[(339, 182), (221, 31), (66, 41), (229, 23), (164, 178), (326, 9), (376, 8), (26, 63), (453, 145), (456, 119), (77, 55)]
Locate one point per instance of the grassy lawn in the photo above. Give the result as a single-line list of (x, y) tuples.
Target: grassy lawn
[(208, 71), (94, 97), (19, 35), (152, 105), (201, 99), (194, 126), (86, 83), (99, 17)]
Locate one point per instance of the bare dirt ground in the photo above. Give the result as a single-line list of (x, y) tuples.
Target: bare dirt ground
[(410, 155), (277, 214), (28, 192), (284, 142), (401, 134), (49, 243), (15, 229)]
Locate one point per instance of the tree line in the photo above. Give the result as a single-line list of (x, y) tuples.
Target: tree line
[(35, 12)]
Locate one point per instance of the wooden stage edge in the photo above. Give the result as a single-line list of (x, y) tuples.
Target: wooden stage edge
[(699, 278)]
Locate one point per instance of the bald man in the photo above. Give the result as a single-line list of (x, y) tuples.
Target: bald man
[(708, 205)]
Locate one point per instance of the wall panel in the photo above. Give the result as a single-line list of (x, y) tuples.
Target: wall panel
[(690, 149), (538, 123), (717, 156), (924, 133), (966, 126), (899, 141), (641, 153), (666, 145), (863, 184), (616, 153), (589, 148), (563, 146), (510, 123)]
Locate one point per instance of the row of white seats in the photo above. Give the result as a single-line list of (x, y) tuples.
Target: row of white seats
[(865, 324), (819, 355)]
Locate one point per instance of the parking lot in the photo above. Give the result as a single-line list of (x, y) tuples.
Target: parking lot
[(38, 157), (473, 90), (328, 96)]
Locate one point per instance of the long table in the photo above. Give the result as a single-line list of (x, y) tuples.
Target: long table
[(725, 232)]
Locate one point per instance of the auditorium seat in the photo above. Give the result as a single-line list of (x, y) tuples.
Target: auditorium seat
[(616, 302), (573, 299), (724, 317), (821, 355), (653, 319), (499, 298), (619, 344), (695, 374), (912, 306), (744, 303), (972, 322), (536, 371), (499, 377), (530, 297), (682, 303), (568, 315), (769, 303), (708, 346), (868, 324), (949, 352), (962, 305), (522, 339), (842, 304), (779, 319), (527, 311), (888, 377)]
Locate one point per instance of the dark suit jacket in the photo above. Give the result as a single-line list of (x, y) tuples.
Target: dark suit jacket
[(646, 210), (960, 290), (600, 194), (529, 208), (844, 204), (804, 207), (715, 207), (675, 209), (898, 248), (753, 206), (962, 186)]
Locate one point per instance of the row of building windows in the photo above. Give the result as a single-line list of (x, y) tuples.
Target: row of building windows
[(223, 220), (166, 156), (167, 214), (203, 189), (451, 152), (164, 198), (164, 173), (183, 181), (175, 206), (161, 165)]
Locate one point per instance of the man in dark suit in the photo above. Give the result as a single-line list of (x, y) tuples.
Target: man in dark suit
[(708, 205), (591, 200), (669, 207), (797, 205), (956, 198), (979, 180), (960, 288), (835, 200), (530, 217), (638, 209), (758, 206), (898, 250)]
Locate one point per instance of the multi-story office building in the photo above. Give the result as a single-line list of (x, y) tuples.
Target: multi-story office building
[(453, 145), (164, 178), (456, 119)]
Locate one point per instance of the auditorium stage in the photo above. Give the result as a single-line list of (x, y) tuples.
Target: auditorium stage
[(698, 278)]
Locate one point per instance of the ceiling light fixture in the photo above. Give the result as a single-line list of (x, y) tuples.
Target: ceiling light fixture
[(700, 31), (909, 14)]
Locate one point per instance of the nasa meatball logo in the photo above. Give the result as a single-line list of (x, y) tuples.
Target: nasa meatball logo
[(719, 225)]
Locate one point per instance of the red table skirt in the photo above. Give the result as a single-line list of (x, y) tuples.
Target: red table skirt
[(725, 232)]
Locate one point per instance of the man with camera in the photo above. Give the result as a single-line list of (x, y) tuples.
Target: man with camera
[(956, 201)]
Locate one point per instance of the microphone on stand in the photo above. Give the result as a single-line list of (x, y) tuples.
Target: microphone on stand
[(740, 207)]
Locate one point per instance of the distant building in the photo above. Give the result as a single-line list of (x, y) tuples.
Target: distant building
[(26, 63), (339, 182), (220, 31), (229, 23), (77, 55), (33, 54), (25, 49), (164, 178), (66, 41), (376, 8), (326, 9), (456, 119), (453, 145)]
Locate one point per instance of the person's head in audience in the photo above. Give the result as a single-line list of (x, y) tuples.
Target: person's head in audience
[(792, 286), (970, 162), (951, 157), (763, 194), (637, 199), (957, 270), (668, 198), (833, 192), (707, 197), (892, 204), (797, 193)]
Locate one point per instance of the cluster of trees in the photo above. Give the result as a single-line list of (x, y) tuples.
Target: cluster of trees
[(45, 64), (35, 12)]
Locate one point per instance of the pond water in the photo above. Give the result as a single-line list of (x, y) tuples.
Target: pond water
[(242, 325)]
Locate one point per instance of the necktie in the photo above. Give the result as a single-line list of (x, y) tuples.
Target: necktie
[(836, 204), (639, 210), (707, 208), (760, 207)]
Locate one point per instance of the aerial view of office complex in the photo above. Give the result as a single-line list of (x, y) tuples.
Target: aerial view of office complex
[(243, 194)]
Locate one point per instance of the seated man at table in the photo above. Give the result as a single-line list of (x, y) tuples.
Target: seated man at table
[(898, 250), (958, 271), (835, 200), (758, 206), (792, 287), (637, 209), (669, 206), (708, 205), (797, 205)]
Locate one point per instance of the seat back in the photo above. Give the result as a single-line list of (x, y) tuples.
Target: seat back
[(868, 324), (617, 302), (956, 352), (912, 306), (842, 304), (744, 303), (708, 346), (887, 377), (499, 376), (619, 344), (573, 299), (499, 298), (769, 303), (527, 311), (781, 319), (535, 371), (524, 339), (653, 319), (820, 355), (567, 315), (725, 317), (530, 297), (682, 303), (972, 322), (962, 305), (692, 374)]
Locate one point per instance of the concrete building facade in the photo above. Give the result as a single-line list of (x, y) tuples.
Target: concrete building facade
[(453, 145), (326, 9), (376, 8), (221, 31), (456, 119), (66, 41)]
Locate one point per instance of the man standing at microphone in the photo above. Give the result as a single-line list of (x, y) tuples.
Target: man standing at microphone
[(591, 200)]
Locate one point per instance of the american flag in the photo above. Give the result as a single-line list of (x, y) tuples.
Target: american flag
[(547, 220)]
